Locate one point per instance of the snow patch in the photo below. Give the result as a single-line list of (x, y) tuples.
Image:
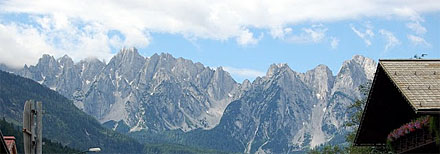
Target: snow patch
[(238, 124), (53, 88), (116, 126), (249, 144)]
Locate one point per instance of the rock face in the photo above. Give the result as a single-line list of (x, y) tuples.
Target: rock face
[(286, 111), (282, 112), (157, 93)]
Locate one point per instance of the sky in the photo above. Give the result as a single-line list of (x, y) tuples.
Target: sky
[(244, 37)]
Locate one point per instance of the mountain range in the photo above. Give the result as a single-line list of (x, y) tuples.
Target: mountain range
[(283, 111)]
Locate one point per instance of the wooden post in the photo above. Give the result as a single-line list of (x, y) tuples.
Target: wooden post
[(39, 128), (27, 130), (33, 127)]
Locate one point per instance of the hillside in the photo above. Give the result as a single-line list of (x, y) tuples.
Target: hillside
[(9, 129), (62, 121)]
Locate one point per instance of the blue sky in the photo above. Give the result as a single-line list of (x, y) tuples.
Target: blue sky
[(243, 37)]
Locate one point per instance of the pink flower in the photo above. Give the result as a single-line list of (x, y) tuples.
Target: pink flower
[(408, 128)]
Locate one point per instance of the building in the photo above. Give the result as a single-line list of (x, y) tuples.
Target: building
[(10, 144), (403, 107), (3, 147), (7, 144)]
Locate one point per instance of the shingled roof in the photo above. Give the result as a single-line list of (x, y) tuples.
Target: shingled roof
[(418, 80)]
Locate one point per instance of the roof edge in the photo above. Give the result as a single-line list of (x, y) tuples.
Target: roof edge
[(409, 60), (370, 144), (366, 105), (398, 88)]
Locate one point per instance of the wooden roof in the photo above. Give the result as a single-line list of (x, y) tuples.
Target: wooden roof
[(417, 80)]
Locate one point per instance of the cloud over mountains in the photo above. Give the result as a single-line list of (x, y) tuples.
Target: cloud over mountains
[(92, 28)]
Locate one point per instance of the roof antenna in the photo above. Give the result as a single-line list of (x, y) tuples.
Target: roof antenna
[(415, 56), (420, 57)]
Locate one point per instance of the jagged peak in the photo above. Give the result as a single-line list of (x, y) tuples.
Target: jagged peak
[(166, 55), (64, 58), (132, 49), (155, 56), (246, 82), (127, 55), (91, 60), (360, 59), (368, 65), (321, 68), (46, 58), (128, 52), (275, 68), (219, 68)]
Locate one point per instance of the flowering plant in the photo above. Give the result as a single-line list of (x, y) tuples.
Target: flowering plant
[(407, 128)]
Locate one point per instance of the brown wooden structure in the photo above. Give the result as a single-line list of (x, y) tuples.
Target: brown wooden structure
[(10, 143), (3, 146), (402, 90)]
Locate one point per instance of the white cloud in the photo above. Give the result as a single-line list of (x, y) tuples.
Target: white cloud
[(314, 34), (367, 35), (410, 13), (21, 45), (280, 32), (247, 38), (416, 40), (334, 42), (415, 20), (61, 22), (391, 39), (217, 20), (54, 35), (244, 72), (416, 27)]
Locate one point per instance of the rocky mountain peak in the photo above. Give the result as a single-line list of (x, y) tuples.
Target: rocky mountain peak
[(128, 50), (125, 64), (46, 59), (128, 55), (65, 60), (276, 68), (359, 64), (91, 60), (65, 57), (354, 72), (322, 67), (368, 64), (320, 79), (246, 83), (47, 66)]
